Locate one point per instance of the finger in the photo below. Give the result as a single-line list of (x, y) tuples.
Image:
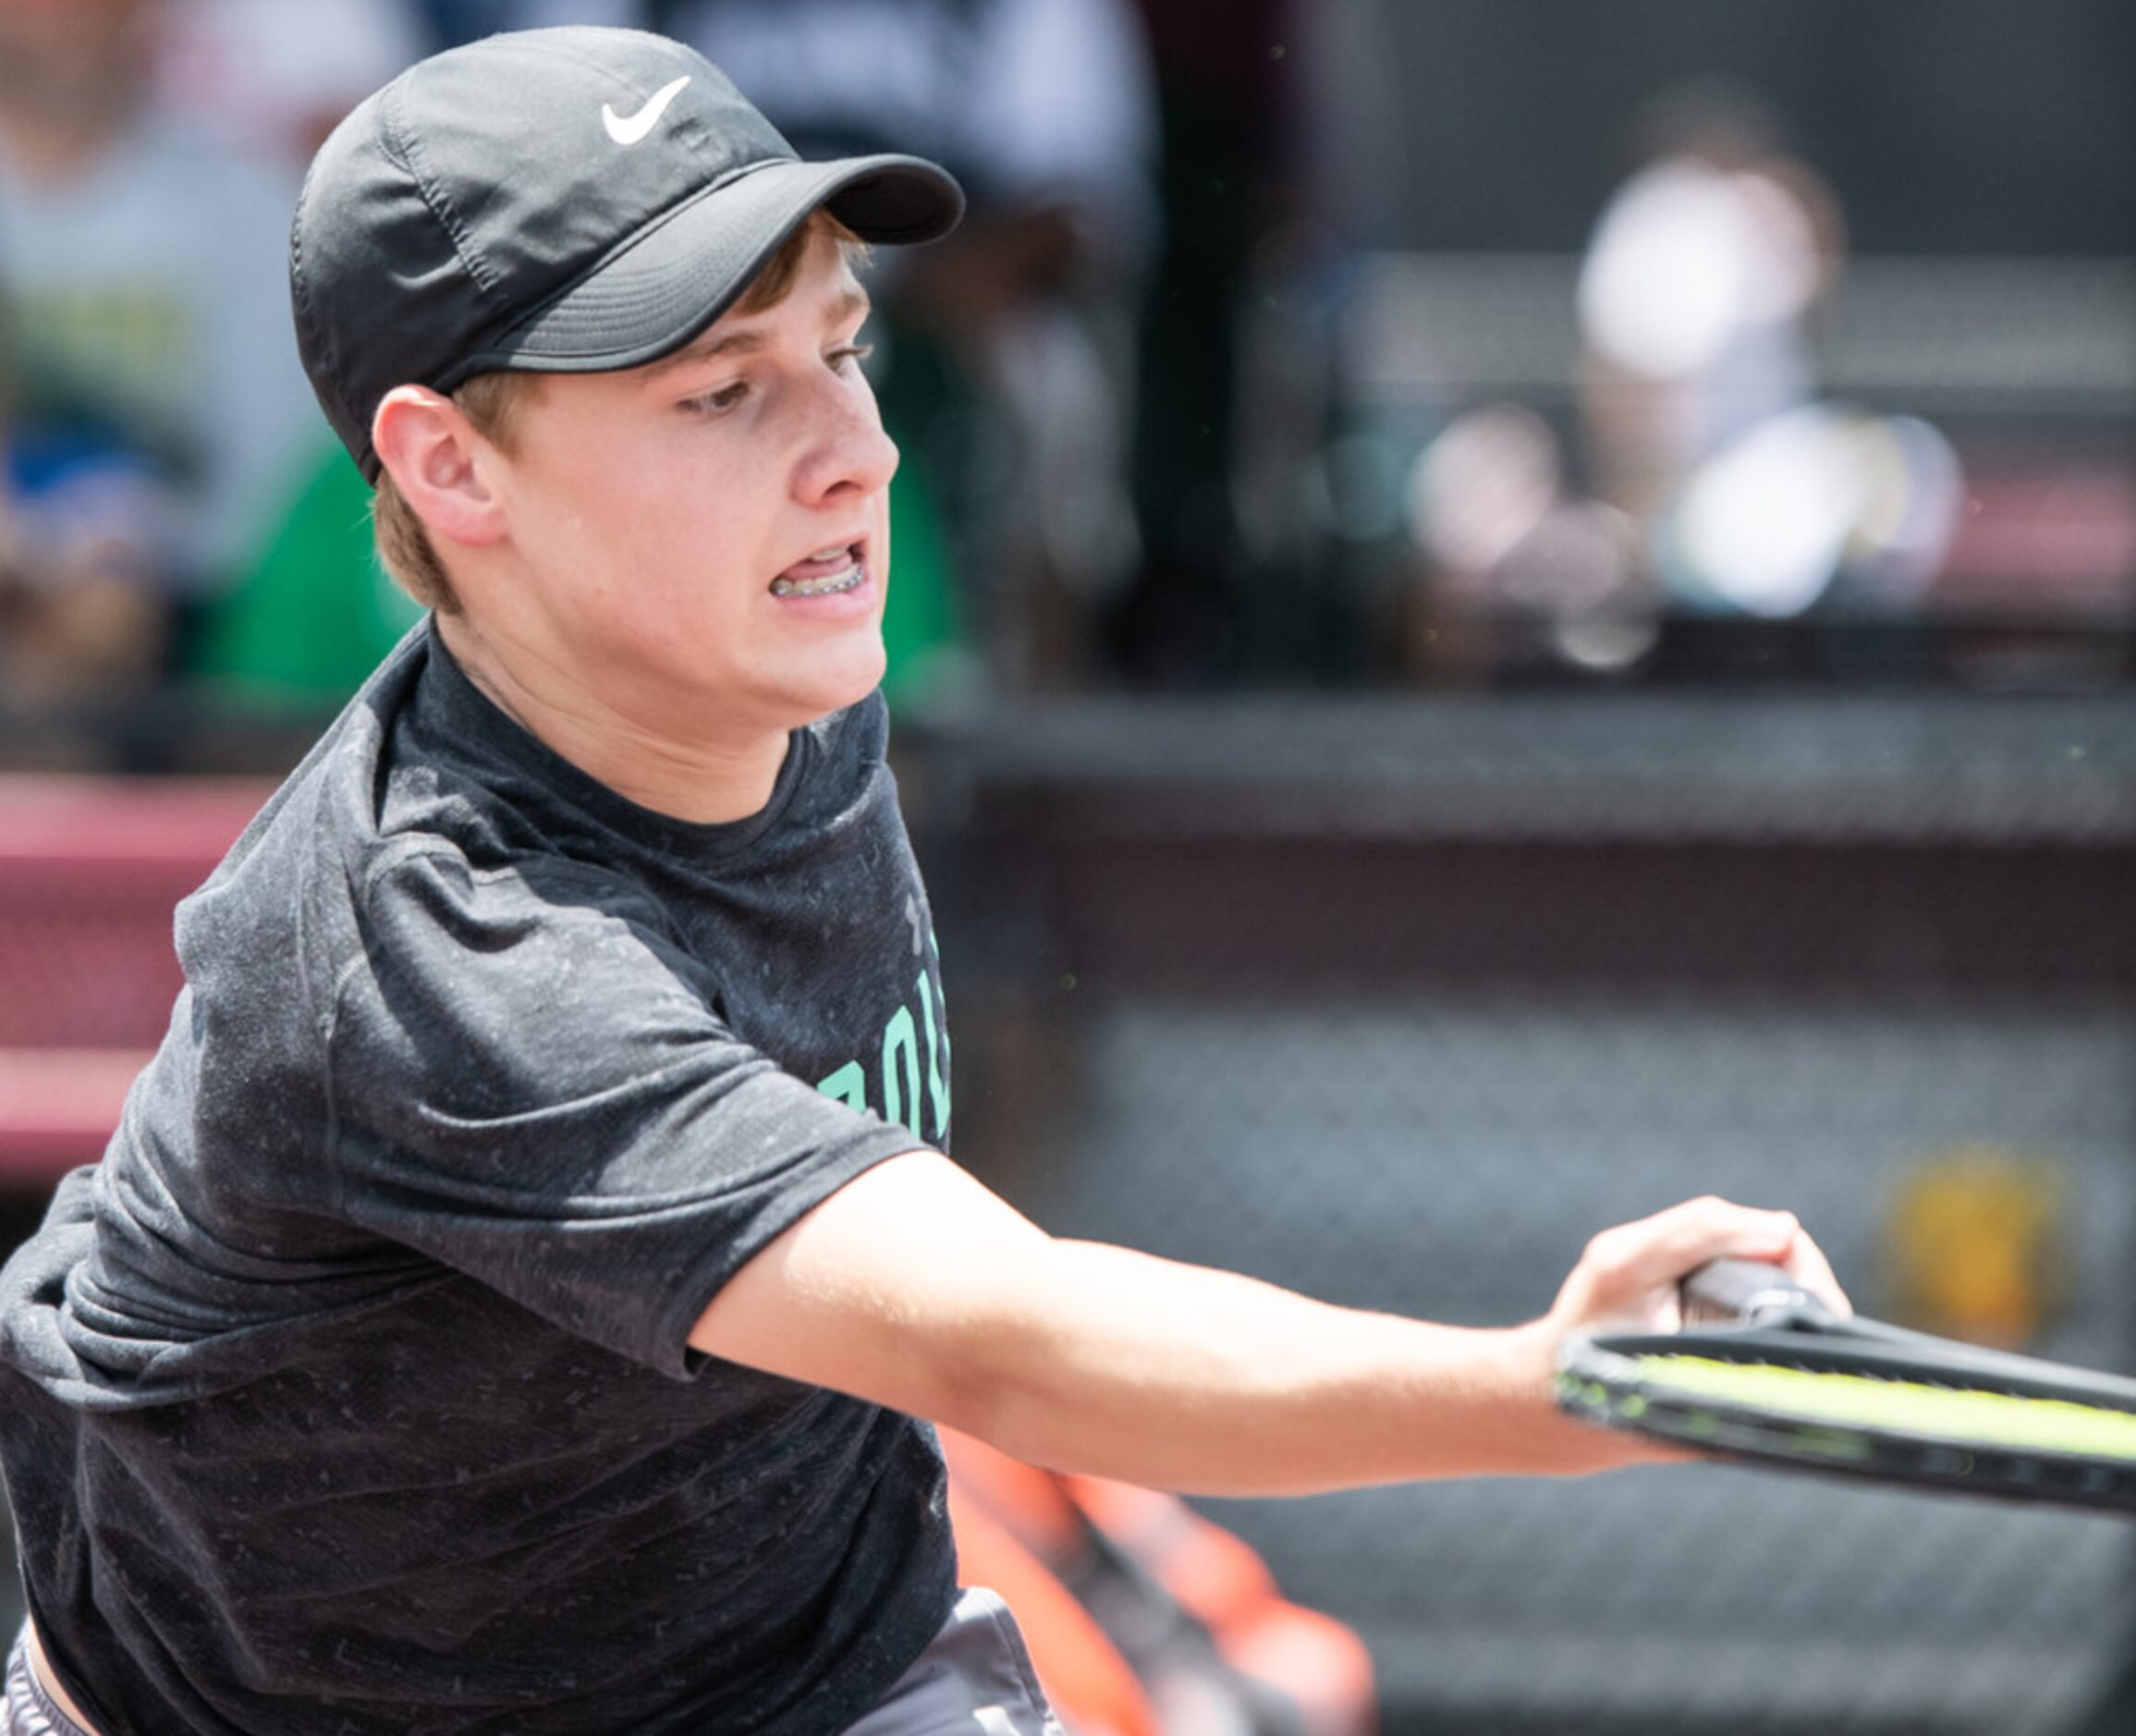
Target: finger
[(1628, 1276), (1806, 1263), (1663, 1249)]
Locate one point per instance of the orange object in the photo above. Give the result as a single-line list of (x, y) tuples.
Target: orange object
[(1133, 1603), (1091, 1686)]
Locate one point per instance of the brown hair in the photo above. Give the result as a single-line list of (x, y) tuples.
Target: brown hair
[(492, 402)]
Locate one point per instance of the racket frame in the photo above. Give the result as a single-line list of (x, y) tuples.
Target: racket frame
[(1601, 1380)]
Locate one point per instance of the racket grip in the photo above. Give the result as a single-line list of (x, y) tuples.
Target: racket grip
[(1733, 1292)]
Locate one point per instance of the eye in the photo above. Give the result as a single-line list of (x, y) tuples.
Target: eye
[(848, 357), (720, 399)]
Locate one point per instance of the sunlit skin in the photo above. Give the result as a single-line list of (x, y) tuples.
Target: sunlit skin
[(616, 560)]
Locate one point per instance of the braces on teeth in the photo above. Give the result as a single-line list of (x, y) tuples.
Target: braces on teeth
[(826, 586)]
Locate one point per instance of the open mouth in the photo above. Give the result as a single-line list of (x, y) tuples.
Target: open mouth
[(826, 573)]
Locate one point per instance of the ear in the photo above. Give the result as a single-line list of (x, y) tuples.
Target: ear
[(430, 449)]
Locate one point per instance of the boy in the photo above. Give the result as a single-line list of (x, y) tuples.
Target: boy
[(507, 1301)]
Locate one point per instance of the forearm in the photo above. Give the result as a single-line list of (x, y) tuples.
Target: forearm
[(1181, 1377)]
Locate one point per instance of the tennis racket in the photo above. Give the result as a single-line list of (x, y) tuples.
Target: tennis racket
[(1764, 1370)]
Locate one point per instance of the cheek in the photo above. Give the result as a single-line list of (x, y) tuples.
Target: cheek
[(629, 534), (652, 531)]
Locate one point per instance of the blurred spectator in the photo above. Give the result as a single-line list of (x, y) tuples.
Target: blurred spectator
[(1520, 571), (82, 625), (1281, 154), (1692, 296), (1690, 303), (1005, 361), (272, 78), (153, 397), (1227, 114), (1745, 494), (308, 611), (1711, 479)]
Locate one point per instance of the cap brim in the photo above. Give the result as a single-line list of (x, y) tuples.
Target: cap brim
[(673, 279)]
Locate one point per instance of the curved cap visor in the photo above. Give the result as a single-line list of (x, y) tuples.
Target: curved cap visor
[(673, 278)]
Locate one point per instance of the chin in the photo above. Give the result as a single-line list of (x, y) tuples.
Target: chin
[(849, 684)]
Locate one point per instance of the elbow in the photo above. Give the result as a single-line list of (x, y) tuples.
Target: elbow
[(1000, 1395)]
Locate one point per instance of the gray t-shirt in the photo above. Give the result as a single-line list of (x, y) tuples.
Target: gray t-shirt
[(351, 1391)]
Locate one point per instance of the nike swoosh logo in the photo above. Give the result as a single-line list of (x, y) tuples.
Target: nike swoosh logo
[(629, 131)]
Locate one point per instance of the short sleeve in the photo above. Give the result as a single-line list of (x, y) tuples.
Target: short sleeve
[(533, 1082)]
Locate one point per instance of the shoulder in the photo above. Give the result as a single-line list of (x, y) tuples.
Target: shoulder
[(312, 832), (379, 829), (433, 892)]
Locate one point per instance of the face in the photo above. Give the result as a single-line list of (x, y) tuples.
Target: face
[(700, 547)]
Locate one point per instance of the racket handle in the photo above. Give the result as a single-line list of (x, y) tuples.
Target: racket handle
[(1736, 1292)]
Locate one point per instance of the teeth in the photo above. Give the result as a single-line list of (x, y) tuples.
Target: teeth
[(824, 587)]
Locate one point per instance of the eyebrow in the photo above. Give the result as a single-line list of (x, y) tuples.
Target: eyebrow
[(743, 340)]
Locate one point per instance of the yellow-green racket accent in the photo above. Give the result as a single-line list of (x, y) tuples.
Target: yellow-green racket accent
[(1836, 1401)]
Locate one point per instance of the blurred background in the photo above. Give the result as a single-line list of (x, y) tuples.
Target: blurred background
[(1505, 610)]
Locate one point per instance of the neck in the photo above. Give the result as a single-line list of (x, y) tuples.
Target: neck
[(705, 781)]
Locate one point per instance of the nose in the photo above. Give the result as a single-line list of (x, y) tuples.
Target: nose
[(848, 454)]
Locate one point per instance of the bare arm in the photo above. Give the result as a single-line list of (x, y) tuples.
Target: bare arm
[(916, 1288)]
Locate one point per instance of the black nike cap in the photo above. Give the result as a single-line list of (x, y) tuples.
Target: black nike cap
[(560, 201)]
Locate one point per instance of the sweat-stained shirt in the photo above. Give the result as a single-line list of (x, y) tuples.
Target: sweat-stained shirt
[(351, 1391)]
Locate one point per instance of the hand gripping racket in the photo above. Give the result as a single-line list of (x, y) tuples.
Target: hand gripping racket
[(1764, 1371)]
